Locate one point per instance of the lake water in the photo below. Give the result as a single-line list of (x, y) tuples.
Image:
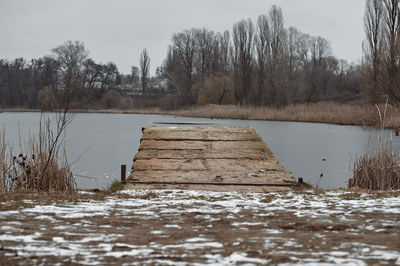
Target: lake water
[(102, 142)]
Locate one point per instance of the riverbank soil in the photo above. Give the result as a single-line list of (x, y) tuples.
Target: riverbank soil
[(179, 227)]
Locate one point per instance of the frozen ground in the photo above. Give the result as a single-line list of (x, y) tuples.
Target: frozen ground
[(193, 227)]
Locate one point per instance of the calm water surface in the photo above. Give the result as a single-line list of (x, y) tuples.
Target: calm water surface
[(100, 143)]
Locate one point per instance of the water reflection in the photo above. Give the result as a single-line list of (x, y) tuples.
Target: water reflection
[(98, 144)]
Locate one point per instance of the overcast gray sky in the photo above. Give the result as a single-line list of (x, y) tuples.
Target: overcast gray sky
[(118, 30)]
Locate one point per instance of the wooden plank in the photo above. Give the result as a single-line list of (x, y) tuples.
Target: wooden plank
[(217, 165), (207, 176), (204, 154), (174, 135), (169, 164), (242, 165), (202, 145), (233, 136), (236, 188), (169, 154), (199, 129), (204, 136), (172, 145), (214, 183), (239, 145)]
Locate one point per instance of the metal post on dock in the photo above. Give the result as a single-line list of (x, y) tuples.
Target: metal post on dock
[(123, 173)]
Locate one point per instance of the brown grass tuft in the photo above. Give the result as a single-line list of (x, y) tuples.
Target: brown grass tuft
[(323, 112), (116, 186), (3, 161), (380, 169), (41, 167)]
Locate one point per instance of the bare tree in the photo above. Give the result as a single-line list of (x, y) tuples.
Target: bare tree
[(373, 44), (242, 59), (262, 46), (224, 42), (293, 60), (91, 74), (144, 69), (71, 56), (185, 45), (134, 76), (275, 59), (392, 52), (204, 51), (320, 50)]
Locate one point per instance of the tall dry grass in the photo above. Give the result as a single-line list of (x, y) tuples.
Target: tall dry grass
[(324, 112), (42, 166), (379, 169), (3, 162)]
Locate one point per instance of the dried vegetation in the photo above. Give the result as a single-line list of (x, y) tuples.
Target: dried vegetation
[(379, 169), (323, 112), (42, 165)]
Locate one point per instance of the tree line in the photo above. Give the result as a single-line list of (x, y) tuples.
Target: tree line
[(68, 71), (260, 63)]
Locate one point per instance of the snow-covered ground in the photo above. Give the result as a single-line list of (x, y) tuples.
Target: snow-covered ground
[(196, 227)]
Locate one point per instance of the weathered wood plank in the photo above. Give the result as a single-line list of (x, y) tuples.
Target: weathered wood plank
[(172, 145), (203, 136), (204, 154), (199, 129), (218, 188), (239, 145), (169, 164), (218, 165), (235, 136), (216, 177), (174, 135), (202, 145), (242, 165), (169, 154)]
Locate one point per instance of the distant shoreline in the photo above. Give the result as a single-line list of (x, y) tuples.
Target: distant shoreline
[(327, 112)]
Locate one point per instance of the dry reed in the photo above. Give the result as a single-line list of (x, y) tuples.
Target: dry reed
[(40, 167), (379, 169), (324, 112), (3, 162)]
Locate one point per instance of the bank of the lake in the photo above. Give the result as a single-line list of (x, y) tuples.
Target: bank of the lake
[(323, 112)]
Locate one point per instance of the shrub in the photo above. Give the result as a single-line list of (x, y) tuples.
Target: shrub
[(216, 89), (111, 99), (47, 99)]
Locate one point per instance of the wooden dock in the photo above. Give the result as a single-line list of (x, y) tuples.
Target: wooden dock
[(207, 158)]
